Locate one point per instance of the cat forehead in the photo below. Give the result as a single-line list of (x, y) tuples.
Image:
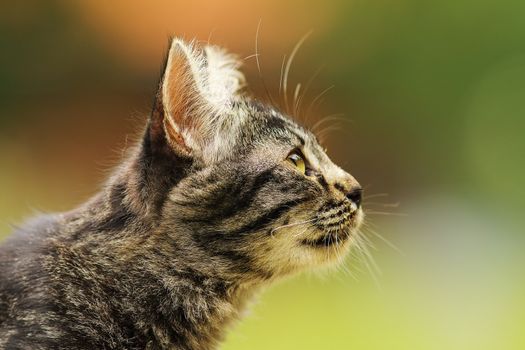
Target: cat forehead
[(268, 121)]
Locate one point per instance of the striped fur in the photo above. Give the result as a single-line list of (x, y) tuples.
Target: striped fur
[(204, 213)]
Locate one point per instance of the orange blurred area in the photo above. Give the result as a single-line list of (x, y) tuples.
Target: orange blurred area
[(138, 33)]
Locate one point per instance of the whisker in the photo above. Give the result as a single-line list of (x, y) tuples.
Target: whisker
[(372, 261), (321, 134), (347, 270), (281, 77), (388, 205), (328, 118), (375, 195), (367, 240), (362, 257), (306, 89), (386, 241), (292, 224), (268, 95), (369, 261), (317, 98), (295, 95), (209, 36), (288, 65), (303, 231), (343, 266), (372, 212), (250, 56), (355, 262)]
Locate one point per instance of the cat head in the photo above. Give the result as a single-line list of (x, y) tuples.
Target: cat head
[(254, 190)]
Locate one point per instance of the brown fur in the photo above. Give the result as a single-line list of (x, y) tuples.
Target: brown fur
[(204, 213)]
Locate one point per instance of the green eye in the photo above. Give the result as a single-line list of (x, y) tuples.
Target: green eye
[(297, 160)]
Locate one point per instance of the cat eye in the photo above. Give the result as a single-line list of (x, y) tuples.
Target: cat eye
[(297, 159)]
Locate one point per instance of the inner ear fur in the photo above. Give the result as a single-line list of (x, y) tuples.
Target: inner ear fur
[(197, 87)]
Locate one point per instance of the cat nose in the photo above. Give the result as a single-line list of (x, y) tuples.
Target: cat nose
[(355, 195), (351, 189)]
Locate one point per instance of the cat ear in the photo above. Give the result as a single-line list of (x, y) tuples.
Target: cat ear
[(197, 88)]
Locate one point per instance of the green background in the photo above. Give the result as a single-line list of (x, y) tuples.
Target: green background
[(433, 94)]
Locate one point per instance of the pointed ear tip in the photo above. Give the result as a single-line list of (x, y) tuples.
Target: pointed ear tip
[(178, 41), (183, 48), (189, 43), (177, 44)]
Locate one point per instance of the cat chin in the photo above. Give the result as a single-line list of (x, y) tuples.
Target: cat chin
[(328, 249), (293, 249)]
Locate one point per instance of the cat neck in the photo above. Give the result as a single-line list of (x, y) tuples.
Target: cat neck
[(178, 296)]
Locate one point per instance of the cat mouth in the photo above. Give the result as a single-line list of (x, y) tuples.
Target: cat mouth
[(328, 240), (336, 223)]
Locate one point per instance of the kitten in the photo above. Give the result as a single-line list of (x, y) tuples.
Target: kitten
[(223, 196)]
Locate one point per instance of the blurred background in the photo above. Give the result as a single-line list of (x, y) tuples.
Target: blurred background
[(433, 97)]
